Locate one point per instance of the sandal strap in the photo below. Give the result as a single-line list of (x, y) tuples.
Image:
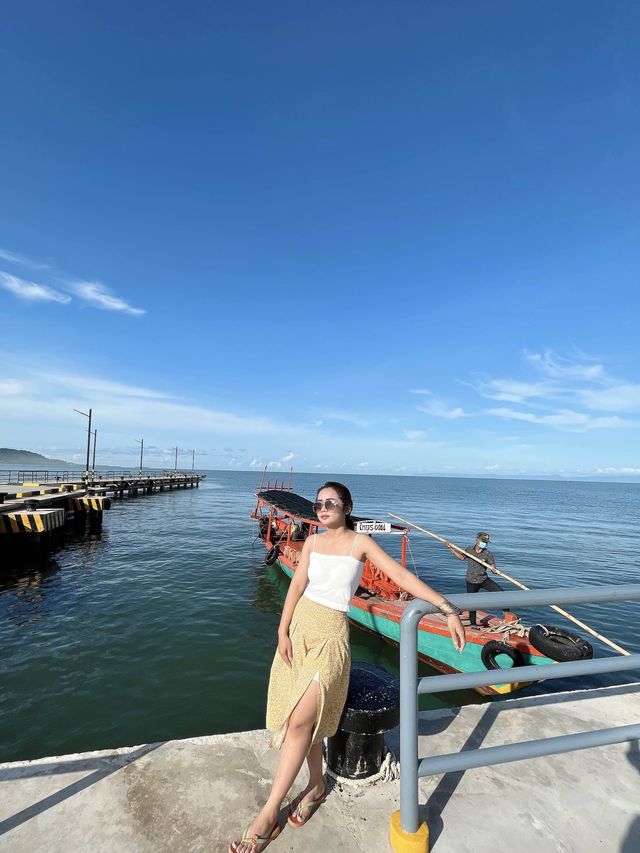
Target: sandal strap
[(311, 803)]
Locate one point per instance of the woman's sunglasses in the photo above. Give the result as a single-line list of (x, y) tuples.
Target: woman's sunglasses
[(329, 504)]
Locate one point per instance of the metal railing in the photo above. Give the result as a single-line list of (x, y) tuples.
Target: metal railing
[(413, 767), (23, 475)]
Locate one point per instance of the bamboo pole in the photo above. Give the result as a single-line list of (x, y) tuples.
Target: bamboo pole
[(513, 581)]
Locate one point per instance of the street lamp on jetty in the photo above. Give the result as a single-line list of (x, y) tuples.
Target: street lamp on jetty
[(87, 415), (95, 441), (193, 460), (175, 467), (141, 443)]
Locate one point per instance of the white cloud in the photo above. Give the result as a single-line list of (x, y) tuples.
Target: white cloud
[(565, 419), (345, 417), (492, 468), (618, 398), (287, 458), (363, 464), (97, 294), (512, 391), (30, 291), (438, 409), (414, 434), (421, 391), (22, 260), (11, 386), (563, 368)]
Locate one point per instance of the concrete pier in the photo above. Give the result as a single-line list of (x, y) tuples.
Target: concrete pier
[(196, 794), (31, 510)]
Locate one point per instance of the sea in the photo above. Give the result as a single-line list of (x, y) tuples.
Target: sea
[(163, 624)]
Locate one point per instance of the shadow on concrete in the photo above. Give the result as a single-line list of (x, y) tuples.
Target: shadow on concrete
[(431, 811), (631, 843), (104, 766)]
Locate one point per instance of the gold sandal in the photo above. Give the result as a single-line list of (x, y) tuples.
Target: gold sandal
[(296, 817), (258, 842)]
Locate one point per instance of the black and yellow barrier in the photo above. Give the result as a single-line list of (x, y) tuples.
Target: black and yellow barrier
[(30, 521), (96, 503)]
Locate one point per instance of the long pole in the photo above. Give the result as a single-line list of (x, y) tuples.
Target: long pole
[(95, 441), (193, 460), (175, 467), (515, 582), (141, 443), (87, 415)]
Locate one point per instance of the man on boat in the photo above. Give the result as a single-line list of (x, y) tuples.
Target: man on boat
[(477, 578)]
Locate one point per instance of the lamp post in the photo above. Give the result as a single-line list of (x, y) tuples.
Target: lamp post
[(95, 441), (141, 443), (87, 415), (175, 467), (193, 460)]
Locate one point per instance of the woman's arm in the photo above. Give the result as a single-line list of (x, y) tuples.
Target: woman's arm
[(296, 588), (412, 584)]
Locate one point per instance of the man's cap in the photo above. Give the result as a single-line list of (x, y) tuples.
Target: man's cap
[(482, 536)]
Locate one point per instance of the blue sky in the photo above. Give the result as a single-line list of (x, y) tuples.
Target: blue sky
[(396, 237)]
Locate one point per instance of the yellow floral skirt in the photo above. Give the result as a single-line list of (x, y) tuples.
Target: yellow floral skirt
[(320, 641)]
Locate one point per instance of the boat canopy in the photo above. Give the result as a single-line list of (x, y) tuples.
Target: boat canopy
[(298, 507)]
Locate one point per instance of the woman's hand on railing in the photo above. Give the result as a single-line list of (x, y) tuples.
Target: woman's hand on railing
[(457, 632)]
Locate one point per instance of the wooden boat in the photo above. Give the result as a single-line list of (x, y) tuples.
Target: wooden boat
[(285, 519)]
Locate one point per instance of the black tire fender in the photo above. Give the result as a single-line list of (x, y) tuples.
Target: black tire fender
[(272, 555), (559, 644), (493, 648)]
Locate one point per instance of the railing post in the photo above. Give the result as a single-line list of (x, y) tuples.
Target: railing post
[(406, 833)]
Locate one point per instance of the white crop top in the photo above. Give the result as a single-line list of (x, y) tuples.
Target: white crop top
[(333, 578)]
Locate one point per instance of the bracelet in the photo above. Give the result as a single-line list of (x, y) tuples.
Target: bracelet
[(449, 609)]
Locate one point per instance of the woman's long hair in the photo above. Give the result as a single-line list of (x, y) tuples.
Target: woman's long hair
[(345, 496)]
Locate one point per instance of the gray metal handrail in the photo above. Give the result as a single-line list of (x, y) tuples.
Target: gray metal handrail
[(413, 767), (16, 476)]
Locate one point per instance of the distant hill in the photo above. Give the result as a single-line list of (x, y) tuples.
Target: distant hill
[(10, 456)]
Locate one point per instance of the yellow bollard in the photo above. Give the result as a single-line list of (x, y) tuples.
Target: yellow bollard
[(408, 842)]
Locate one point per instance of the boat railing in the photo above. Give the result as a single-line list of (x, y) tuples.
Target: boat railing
[(413, 766)]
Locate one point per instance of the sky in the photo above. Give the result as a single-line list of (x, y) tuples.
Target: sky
[(388, 237)]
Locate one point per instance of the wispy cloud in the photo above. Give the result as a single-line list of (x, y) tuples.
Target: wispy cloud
[(565, 419), (60, 287), (563, 368), (617, 398), (345, 417), (30, 291), (513, 391), (414, 434), (100, 296), (437, 409), (572, 395), (22, 260)]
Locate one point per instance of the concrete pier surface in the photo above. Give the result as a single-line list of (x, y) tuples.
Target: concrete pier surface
[(196, 794)]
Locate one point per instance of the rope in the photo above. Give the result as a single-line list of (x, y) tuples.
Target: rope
[(389, 772), (507, 628), (415, 568)]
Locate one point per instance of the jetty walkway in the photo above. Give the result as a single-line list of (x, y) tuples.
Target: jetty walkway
[(41, 506), (193, 795)]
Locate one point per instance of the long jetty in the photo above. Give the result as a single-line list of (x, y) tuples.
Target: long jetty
[(34, 508)]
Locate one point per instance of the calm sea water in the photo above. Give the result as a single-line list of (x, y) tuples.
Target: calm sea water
[(164, 625)]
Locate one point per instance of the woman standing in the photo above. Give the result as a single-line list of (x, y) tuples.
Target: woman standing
[(310, 672)]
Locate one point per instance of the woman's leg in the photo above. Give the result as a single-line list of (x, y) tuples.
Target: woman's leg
[(292, 754)]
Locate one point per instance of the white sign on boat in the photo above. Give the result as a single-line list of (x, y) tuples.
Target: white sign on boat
[(373, 527)]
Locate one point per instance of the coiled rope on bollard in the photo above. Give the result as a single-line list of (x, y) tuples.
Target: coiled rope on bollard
[(389, 772)]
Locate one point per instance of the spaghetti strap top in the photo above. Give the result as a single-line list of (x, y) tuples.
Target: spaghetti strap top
[(333, 578)]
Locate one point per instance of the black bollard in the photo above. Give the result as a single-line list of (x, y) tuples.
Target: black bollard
[(357, 749)]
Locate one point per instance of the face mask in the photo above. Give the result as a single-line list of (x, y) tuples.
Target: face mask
[(482, 545)]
